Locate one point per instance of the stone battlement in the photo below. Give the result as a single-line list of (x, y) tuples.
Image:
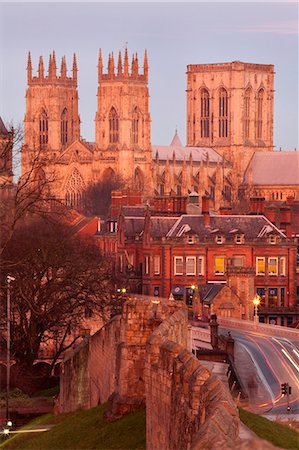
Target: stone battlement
[(141, 358)]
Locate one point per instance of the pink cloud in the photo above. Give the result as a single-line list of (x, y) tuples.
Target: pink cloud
[(288, 27)]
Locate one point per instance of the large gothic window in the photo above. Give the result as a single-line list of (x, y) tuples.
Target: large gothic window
[(223, 113), (247, 113), (74, 190), (63, 127), (113, 126), (43, 128), (259, 125), (135, 126), (204, 114)]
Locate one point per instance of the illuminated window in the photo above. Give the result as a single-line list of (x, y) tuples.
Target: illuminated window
[(282, 266), (223, 113), (272, 297), (219, 265), (204, 114), (272, 266), (43, 128), (113, 126), (178, 265), (63, 127), (190, 265), (261, 292), (201, 262), (157, 264), (260, 266)]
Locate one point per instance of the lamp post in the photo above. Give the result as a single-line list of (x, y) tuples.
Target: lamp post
[(256, 302), (9, 280)]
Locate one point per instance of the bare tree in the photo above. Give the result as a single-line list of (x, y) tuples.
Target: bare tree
[(31, 194), (59, 280), (97, 196)]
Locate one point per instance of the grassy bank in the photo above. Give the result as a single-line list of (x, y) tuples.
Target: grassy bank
[(83, 430), (280, 435)]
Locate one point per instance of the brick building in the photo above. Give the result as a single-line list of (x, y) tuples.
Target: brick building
[(164, 253)]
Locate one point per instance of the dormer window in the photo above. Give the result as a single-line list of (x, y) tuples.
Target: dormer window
[(272, 239), (239, 239), (112, 227), (219, 239), (191, 239)]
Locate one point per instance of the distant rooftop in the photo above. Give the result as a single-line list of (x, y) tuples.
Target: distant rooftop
[(180, 153), (273, 168), (3, 129)]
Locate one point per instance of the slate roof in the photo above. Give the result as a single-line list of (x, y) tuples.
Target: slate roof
[(207, 292), (134, 211), (274, 168), (176, 148), (159, 226), (251, 226)]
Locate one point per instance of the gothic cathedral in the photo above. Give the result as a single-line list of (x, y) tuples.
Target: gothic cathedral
[(229, 118)]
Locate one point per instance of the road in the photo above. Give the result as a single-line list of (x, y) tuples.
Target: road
[(264, 363)]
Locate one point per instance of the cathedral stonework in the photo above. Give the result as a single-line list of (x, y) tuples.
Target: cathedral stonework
[(229, 120)]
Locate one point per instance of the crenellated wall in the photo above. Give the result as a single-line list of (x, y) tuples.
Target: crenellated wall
[(186, 405), (140, 358)]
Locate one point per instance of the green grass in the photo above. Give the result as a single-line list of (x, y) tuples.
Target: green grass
[(83, 430), (51, 392), (280, 435)]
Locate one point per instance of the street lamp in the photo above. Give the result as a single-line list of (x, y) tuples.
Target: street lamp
[(9, 279), (155, 303), (256, 302)]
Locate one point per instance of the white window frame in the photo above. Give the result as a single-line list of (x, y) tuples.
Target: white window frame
[(222, 257), (239, 239), (282, 266), (201, 265), (157, 264), (219, 239), (256, 265), (191, 258), (274, 273), (272, 239), (181, 260)]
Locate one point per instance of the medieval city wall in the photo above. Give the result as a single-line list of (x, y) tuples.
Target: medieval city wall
[(88, 375), (186, 406)]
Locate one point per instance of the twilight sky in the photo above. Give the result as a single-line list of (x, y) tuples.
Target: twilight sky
[(175, 34)]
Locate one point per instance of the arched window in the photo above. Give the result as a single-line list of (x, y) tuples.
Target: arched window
[(247, 113), (63, 127), (259, 127), (113, 126), (223, 113), (43, 128), (204, 114), (74, 190), (135, 126)]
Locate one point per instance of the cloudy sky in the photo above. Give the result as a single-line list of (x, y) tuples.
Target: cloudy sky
[(175, 34)]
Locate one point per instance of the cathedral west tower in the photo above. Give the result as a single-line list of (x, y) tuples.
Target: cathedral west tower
[(123, 120), (51, 121)]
